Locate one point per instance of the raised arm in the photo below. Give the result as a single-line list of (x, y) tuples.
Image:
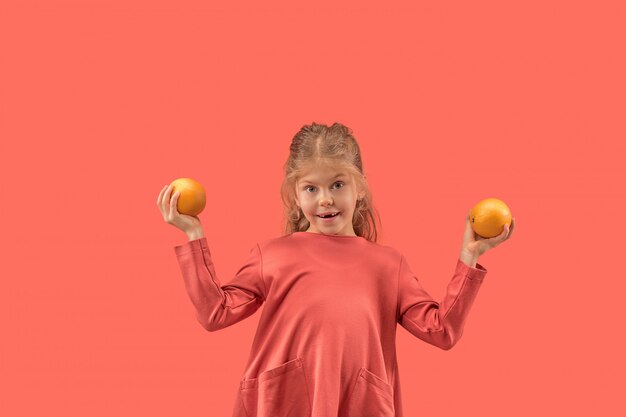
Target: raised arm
[(218, 306), (438, 323)]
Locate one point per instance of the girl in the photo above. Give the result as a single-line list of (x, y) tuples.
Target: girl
[(325, 344)]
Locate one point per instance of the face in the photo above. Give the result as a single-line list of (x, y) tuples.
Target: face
[(327, 190)]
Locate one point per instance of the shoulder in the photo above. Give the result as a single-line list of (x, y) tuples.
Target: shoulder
[(385, 250), (381, 254), (275, 243)]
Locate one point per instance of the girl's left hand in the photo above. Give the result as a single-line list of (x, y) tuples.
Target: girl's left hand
[(475, 245)]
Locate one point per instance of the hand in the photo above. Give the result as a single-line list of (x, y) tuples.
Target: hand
[(171, 215), (474, 245)]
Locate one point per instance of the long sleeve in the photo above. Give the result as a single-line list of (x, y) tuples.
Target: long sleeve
[(440, 324), (218, 306)]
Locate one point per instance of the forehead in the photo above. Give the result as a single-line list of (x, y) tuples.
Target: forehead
[(321, 175)]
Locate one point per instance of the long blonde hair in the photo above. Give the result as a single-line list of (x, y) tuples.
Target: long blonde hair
[(335, 145)]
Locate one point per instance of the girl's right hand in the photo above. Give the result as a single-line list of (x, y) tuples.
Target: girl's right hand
[(171, 215)]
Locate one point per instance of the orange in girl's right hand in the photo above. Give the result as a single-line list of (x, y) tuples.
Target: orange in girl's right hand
[(192, 198)]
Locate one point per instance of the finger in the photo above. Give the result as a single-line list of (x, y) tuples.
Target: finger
[(168, 195), (509, 229), (506, 231), (173, 206), (512, 226), (162, 201), (468, 236), (160, 197), (496, 240), (160, 194)]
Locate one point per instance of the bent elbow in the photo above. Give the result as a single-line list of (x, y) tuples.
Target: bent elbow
[(449, 340), (207, 324), (208, 327), (447, 346)]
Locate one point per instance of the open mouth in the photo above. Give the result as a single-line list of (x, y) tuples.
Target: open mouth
[(329, 216)]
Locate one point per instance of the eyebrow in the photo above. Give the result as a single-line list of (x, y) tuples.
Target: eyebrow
[(304, 181)]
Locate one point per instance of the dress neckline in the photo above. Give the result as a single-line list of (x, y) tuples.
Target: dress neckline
[(329, 235)]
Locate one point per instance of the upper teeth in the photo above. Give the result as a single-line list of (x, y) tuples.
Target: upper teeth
[(330, 214)]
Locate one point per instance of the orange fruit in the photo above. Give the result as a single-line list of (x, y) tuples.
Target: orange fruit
[(192, 198), (489, 216)]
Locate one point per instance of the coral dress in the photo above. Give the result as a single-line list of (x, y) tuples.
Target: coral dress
[(325, 343)]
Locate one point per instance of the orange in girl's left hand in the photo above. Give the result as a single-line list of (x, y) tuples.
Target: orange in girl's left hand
[(192, 198), (489, 216)]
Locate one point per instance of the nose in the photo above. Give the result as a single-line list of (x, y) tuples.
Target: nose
[(326, 200)]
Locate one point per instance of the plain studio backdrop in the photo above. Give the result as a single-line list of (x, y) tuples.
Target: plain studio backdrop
[(103, 102)]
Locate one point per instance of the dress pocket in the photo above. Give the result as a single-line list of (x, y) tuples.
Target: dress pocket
[(371, 397), (277, 392)]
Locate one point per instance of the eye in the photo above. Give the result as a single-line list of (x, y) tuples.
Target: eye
[(310, 186)]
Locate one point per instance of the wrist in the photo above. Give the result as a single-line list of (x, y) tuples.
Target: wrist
[(469, 259), (194, 234)]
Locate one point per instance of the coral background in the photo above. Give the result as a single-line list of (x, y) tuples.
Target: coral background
[(103, 102)]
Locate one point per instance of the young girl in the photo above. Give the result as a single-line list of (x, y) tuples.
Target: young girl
[(325, 344)]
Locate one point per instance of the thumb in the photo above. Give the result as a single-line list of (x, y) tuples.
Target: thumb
[(501, 237), (469, 232)]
